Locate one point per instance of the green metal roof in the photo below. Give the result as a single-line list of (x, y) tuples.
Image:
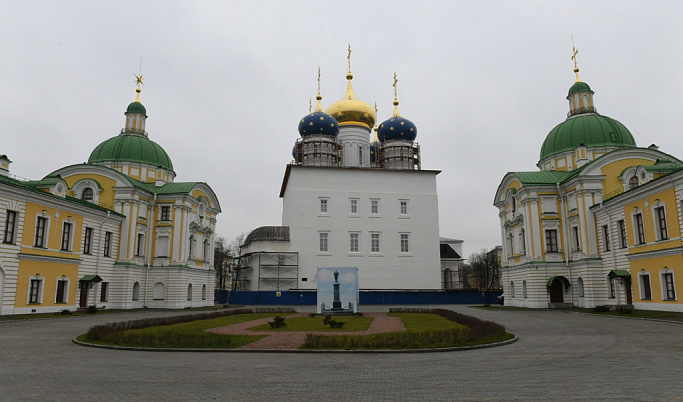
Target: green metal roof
[(168, 188), (541, 178), (131, 147), (590, 130), (579, 87), (136, 107), (619, 273)]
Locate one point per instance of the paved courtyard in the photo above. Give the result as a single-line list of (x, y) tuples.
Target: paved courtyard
[(560, 356)]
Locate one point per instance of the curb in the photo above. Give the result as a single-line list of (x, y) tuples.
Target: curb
[(435, 350)]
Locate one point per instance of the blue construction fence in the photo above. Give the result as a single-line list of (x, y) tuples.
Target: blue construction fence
[(309, 298)]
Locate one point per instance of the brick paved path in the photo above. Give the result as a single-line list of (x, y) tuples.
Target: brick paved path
[(560, 356), (292, 340)]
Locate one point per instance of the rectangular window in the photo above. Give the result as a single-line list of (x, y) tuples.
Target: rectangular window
[(34, 291), (41, 228), (605, 238), (140, 251), (323, 205), (374, 207), (66, 236), (165, 213), (551, 241), (405, 243), (324, 242), (104, 291), (10, 225), (404, 207), (107, 244), (374, 242), (61, 294), (669, 289), (87, 241), (575, 238), (354, 206), (639, 228), (645, 289), (623, 242), (353, 242), (612, 289), (360, 156), (660, 219)]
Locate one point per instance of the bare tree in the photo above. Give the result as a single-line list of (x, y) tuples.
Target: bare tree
[(221, 261), (484, 270)]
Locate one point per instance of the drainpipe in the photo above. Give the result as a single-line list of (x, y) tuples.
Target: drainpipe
[(566, 239), (150, 216)]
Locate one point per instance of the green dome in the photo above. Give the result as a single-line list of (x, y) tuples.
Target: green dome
[(577, 87), (136, 107), (131, 148), (591, 130)]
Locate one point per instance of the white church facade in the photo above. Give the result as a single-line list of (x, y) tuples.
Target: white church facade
[(350, 202)]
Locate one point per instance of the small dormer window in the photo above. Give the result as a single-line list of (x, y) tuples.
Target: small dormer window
[(633, 182), (87, 194)]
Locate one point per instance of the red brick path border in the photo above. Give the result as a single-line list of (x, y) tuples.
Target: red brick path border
[(292, 340)]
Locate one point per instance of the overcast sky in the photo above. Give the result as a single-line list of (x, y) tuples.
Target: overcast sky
[(227, 82)]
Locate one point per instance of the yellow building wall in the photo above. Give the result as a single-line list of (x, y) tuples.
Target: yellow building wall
[(668, 197), (50, 273), (611, 171), (654, 266), (54, 233), (106, 196)]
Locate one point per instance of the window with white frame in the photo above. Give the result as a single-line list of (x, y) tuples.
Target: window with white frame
[(324, 205), (639, 229), (580, 283), (576, 246), (605, 238), (140, 251), (62, 291), (10, 226), (107, 244), (522, 241), (403, 205), (645, 286), (354, 205), (324, 242), (41, 230), (87, 241), (67, 229), (623, 240), (512, 289), (511, 247), (551, 241), (612, 288), (668, 286), (374, 242), (136, 291), (87, 194), (354, 242), (360, 156), (189, 292), (35, 290), (165, 213), (374, 207), (660, 223), (405, 242), (104, 291), (524, 293)]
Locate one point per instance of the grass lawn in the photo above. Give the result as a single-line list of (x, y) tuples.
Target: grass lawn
[(423, 331), (316, 324), (186, 335)]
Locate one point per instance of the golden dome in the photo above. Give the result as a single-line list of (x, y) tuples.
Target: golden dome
[(350, 110)]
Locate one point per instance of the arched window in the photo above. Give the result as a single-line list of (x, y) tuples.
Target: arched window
[(189, 292), (159, 290), (633, 182), (524, 289), (522, 242), (207, 250), (191, 253), (87, 194), (512, 289), (203, 292), (136, 291), (580, 283)]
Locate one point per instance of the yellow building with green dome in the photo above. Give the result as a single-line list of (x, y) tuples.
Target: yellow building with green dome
[(599, 224), (115, 232)]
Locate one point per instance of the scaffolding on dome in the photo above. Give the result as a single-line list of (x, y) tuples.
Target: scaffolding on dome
[(318, 150), (400, 155)]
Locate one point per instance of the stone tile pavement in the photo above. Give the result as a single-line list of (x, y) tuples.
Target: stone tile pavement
[(560, 356)]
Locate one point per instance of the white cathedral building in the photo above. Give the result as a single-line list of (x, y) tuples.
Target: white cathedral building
[(350, 202)]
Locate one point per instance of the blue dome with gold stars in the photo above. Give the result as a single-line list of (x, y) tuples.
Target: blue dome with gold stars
[(397, 128), (319, 123)]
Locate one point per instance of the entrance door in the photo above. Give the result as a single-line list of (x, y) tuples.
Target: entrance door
[(555, 290), (84, 294), (627, 287)]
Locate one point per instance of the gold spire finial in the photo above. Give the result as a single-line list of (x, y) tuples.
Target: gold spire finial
[(349, 57), (138, 82), (576, 67), (319, 98), (395, 82), (318, 80), (396, 112)]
